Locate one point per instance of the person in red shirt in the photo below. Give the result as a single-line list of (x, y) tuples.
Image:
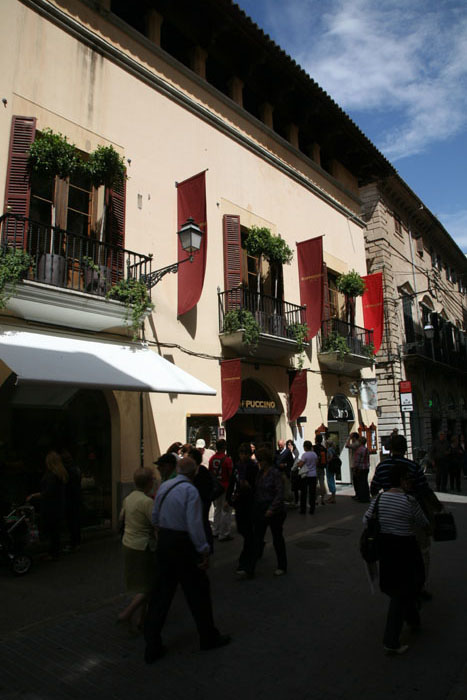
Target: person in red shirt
[(221, 467)]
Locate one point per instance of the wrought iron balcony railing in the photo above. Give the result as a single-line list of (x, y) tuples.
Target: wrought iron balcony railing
[(340, 336), (70, 261), (274, 316), (448, 345)]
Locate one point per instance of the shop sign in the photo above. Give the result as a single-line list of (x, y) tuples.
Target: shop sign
[(258, 406)]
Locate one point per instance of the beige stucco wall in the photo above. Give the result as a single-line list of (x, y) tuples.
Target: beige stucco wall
[(73, 90)]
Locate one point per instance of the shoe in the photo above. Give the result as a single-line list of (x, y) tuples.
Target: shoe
[(243, 574), (399, 650), (280, 572), (225, 539), (221, 641), (151, 654)]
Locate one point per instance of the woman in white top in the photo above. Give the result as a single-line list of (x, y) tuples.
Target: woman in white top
[(307, 468), (401, 570), (138, 545)]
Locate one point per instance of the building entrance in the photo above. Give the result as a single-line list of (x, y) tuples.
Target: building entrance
[(256, 419)]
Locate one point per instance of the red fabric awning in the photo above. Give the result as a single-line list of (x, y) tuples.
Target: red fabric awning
[(191, 201), (231, 382), (298, 393), (310, 270), (373, 307)]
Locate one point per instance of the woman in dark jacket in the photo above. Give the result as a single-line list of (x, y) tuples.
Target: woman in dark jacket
[(240, 496), (52, 497)]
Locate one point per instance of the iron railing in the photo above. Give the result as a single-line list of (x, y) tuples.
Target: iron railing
[(71, 261), (274, 316), (336, 335), (448, 346)]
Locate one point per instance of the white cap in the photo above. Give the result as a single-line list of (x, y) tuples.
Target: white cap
[(200, 443)]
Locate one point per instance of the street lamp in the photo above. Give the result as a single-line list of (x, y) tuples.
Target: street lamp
[(429, 331), (190, 236)]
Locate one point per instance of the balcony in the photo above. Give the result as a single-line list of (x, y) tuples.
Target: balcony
[(448, 347), (70, 276), (276, 319), (344, 348)]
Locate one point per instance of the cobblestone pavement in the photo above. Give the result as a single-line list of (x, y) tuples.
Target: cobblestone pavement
[(313, 633)]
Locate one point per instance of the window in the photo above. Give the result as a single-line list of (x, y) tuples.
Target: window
[(397, 225), (336, 299), (258, 275), (408, 319)]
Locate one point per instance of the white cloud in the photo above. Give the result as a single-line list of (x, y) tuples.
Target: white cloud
[(456, 225), (406, 60)]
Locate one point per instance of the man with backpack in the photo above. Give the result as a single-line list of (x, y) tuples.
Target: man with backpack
[(220, 465)]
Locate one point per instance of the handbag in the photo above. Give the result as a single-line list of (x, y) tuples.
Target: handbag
[(369, 539), (444, 526), (335, 464), (303, 471)]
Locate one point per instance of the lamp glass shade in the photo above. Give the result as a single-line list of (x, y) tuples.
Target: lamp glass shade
[(429, 331), (190, 236)]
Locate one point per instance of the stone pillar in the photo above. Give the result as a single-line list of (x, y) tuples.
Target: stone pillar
[(292, 134), (266, 112), (198, 61), (236, 90), (153, 26)]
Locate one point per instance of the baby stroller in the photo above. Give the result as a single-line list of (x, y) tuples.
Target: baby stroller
[(17, 531)]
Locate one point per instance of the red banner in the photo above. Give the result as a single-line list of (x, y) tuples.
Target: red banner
[(310, 271), (191, 201), (231, 382), (373, 309), (298, 393)]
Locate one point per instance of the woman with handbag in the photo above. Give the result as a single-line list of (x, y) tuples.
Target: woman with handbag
[(307, 466), (401, 570)]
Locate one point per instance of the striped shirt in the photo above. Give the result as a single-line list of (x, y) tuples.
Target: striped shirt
[(382, 480), (398, 514)]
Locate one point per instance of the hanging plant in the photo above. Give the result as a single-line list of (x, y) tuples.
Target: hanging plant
[(106, 167), (351, 284), (334, 342), (260, 241), (241, 319), (134, 294), (51, 154), (14, 266), (369, 351), (299, 332)]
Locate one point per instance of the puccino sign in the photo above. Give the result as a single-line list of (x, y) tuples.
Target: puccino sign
[(258, 406)]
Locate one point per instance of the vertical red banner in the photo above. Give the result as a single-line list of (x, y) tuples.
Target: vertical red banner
[(231, 383), (373, 307), (310, 271), (191, 201), (298, 393)]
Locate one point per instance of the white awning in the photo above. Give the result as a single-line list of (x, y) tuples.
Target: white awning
[(47, 358)]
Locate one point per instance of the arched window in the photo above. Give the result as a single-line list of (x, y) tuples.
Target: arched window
[(340, 409)]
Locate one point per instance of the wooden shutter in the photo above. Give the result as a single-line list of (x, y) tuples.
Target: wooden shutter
[(232, 260), (117, 199), (18, 186)]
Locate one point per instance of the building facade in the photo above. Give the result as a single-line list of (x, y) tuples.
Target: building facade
[(182, 91)]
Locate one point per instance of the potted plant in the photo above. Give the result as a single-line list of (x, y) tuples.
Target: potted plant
[(334, 342), (97, 278), (134, 294), (299, 332), (351, 285), (51, 156), (242, 319), (14, 266)]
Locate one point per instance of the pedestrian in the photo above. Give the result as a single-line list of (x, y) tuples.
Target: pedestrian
[(456, 461), (241, 496), (320, 451), (52, 497), (220, 465), (174, 449), (139, 545), (166, 464), (269, 509), (283, 461), (307, 465), (331, 470), (401, 571), (419, 489), (352, 444), (203, 483), (294, 475), (73, 501), (205, 451), (361, 465), (439, 456), (182, 557)]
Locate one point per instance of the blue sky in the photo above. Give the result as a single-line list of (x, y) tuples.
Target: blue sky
[(399, 69)]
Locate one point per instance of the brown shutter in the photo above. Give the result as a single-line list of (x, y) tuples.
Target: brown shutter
[(18, 186), (326, 302), (232, 260), (117, 198)]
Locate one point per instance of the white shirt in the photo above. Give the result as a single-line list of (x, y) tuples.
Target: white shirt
[(310, 460)]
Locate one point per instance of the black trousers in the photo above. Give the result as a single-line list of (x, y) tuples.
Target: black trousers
[(401, 609), (275, 524), (308, 486), (360, 483), (177, 563), (244, 517)]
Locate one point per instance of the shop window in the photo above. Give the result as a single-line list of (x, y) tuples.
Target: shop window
[(203, 426)]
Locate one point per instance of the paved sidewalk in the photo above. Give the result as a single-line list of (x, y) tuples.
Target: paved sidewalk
[(313, 633)]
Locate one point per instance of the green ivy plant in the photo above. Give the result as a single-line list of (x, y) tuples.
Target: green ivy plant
[(134, 294), (369, 351), (260, 241), (244, 320), (334, 342), (351, 284), (51, 154), (14, 266), (106, 167)]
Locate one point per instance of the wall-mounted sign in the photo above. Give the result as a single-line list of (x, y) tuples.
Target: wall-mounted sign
[(406, 402), (258, 406), (405, 387)]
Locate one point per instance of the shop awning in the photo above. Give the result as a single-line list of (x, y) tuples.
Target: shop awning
[(48, 358)]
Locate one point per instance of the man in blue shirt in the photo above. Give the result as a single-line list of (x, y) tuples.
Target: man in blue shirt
[(182, 557)]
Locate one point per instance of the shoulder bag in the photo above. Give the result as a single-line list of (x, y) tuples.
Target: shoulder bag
[(369, 540)]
